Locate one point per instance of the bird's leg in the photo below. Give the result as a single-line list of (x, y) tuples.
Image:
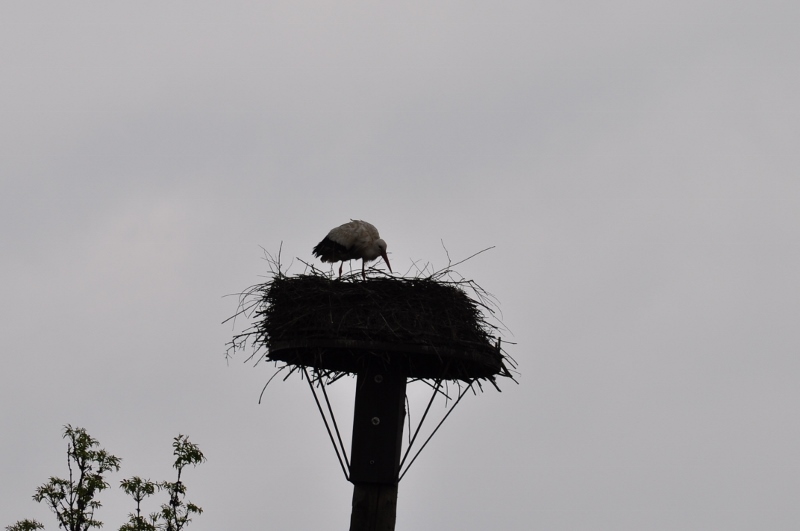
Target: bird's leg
[(341, 265), (363, 273)]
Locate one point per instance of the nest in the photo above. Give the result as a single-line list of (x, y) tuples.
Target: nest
[(421, 327)]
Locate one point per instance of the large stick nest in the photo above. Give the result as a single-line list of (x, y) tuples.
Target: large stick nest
[(422, 327)]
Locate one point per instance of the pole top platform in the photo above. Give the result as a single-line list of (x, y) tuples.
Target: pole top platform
[(424, 328)]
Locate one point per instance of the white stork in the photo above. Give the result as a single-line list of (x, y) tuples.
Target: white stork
[(354, 240)]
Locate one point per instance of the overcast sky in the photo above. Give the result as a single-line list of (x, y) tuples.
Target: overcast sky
[(635, 164)]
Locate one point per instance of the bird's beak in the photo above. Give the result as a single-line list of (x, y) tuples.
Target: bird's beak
[(386, 259)]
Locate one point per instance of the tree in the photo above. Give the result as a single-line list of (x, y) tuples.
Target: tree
[(176, 514), (73, 500), (139, 489), (25, 525)]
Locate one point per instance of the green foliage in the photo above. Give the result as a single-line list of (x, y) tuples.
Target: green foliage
[(73, 500), (177, 513), (139, 489), (25, 525)]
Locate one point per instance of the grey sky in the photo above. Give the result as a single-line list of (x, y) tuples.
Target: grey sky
[(635, 165)]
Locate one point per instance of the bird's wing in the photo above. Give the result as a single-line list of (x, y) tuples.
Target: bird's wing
[(331, 251), (369, 229), (357, 233), (345, 235)]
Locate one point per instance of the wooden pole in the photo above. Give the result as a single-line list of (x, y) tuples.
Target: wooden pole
[(377, 443), (374, 507)]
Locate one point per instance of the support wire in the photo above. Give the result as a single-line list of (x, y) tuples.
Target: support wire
[(460, 396), (327, 427), (416, 432), (335, 426)]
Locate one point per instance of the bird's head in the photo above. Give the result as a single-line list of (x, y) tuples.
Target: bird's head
[(382, 249)]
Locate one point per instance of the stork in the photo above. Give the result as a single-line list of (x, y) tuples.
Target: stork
[(354, 240)]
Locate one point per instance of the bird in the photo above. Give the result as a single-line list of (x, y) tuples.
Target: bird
[(354, 240)]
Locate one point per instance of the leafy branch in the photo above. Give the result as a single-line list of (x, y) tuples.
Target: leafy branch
[(73, 500)]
